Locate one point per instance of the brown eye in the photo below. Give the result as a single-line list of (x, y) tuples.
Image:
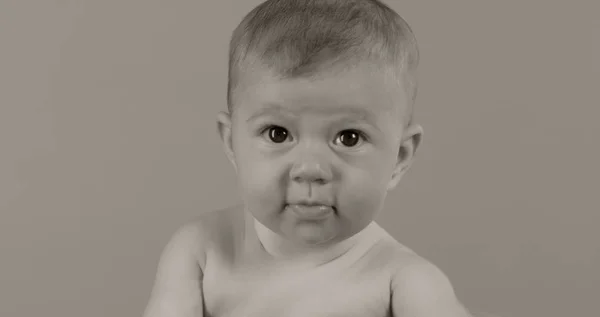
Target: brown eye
[(278, 134), (349, 138)]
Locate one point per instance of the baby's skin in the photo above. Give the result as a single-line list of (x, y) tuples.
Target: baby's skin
[(218, 266)]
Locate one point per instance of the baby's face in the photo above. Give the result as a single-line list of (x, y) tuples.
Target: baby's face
[(331, 142)]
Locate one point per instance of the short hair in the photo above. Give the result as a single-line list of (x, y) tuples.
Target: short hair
[(302, 38)]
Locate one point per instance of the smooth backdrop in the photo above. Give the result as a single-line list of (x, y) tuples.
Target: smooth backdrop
[(108, 143)]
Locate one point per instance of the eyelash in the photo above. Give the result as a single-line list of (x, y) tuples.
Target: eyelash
[(267, 127)]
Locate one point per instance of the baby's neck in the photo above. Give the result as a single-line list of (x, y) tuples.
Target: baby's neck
[(281, 249)]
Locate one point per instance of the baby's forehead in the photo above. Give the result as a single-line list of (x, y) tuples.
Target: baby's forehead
[(337, 91)]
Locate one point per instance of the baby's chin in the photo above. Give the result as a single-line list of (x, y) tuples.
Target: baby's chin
[(316, 235), (310, 225)]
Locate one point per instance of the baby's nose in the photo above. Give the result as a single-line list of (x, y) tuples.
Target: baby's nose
[(311, 169)]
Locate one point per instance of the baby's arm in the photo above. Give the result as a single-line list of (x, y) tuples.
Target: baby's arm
[(422, 290), (177, 290)]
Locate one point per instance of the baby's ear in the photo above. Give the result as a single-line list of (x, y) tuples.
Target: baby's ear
[(224, 130), (411, 140)]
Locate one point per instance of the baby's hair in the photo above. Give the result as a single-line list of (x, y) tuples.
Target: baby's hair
[(302, 38)]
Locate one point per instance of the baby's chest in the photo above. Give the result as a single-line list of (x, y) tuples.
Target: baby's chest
[(298, 294)]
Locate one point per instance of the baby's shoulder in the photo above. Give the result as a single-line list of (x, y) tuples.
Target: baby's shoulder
[(403, 262), (207, 231), (390, 252), (416, 281)]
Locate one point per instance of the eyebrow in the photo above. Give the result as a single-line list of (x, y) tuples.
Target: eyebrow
[(356, 113)]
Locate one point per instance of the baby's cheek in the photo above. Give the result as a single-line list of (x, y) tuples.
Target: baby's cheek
[(261, 184), (360, 201), (257, 175), (364, 187)]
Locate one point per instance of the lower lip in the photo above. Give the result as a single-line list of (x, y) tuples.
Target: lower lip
[(311, 212)]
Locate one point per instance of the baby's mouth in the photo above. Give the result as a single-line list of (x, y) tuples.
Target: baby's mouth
[(311, 211)]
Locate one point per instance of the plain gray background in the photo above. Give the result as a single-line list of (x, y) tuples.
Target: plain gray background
[(108, 143)]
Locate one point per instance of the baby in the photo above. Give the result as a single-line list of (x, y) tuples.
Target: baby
[(318, 129)]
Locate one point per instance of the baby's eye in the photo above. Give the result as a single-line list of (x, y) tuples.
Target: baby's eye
[(349, 138), (277, 134)]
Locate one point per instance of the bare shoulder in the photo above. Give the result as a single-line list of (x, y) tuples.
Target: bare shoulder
[(177, 289), (190, 241), (419, 287)]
